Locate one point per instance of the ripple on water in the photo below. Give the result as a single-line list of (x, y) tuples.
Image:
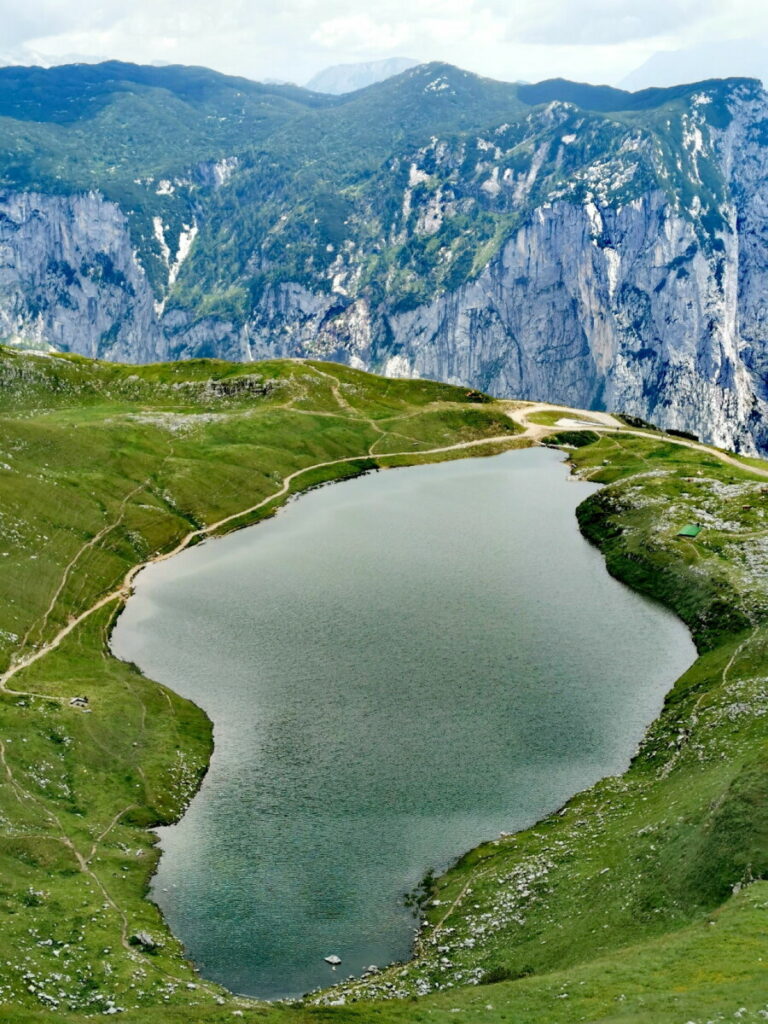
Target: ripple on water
[(397, 668)]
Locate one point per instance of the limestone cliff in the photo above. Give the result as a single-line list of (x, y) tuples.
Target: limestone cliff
[(595, 259)]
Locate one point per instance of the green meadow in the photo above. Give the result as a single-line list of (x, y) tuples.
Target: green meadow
[(643, 900)]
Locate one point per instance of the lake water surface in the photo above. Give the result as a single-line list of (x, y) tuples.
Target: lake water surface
[(397, 668)]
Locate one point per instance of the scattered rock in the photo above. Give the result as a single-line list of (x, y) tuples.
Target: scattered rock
[(146, 941)]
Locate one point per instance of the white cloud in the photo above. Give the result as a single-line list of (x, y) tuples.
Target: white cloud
[(604, 22), (592, 40), (360, 32)]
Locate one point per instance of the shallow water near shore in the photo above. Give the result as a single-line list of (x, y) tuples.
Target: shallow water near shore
[(397, 667)]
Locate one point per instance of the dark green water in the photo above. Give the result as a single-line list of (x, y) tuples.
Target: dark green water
[(397, 668)]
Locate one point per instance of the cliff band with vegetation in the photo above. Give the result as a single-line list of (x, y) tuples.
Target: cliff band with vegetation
[(643, 900), (602, 248)]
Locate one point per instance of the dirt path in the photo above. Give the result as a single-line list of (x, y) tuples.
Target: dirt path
[(536, 431), (605, 422), (520, 414), (106, 832), (122, 592), (92, 543)]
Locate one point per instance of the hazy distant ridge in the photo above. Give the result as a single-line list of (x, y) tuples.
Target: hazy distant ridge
[(343, 78)]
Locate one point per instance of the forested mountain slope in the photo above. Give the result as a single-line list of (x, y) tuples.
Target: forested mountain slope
[(560, 241)]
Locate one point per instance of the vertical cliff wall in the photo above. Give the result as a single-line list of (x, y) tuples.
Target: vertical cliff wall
[(571, 257)]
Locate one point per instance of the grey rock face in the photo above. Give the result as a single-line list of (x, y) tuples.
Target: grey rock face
[(628, 307), (619, 309), (69, 278), (625, 305)]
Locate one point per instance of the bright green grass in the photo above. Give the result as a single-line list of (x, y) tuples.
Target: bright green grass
[(620, 908), (104, 466)]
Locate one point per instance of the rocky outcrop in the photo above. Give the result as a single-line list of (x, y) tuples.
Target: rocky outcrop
[(69, 278), (615, 308)]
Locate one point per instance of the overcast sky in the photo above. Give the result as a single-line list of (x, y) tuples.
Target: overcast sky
[(588, 40)]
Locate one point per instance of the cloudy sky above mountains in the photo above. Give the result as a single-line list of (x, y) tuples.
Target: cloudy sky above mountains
[(589, 40)]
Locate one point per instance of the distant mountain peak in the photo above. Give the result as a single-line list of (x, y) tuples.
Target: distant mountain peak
[(727, 58), (342, 78)]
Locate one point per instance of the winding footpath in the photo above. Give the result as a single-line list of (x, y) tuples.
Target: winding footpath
[(520, 413), (530, 434), (123, 591), (604, 422)]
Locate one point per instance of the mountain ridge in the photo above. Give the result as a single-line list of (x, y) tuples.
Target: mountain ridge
[(174, 212), (344, 78)]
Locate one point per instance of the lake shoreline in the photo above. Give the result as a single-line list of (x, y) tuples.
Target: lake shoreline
[(542, 815), (281, 501)]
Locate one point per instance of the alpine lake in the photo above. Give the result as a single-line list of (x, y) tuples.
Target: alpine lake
[(397, 667)]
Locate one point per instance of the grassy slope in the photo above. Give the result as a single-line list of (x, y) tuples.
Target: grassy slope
[(643, 861), (102, 467), (620, 908)]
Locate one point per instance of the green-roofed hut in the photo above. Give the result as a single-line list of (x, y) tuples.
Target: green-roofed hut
[(691, 530)]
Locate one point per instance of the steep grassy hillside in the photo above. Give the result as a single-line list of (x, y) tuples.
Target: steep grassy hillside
[(644, 900), (101, 468)]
